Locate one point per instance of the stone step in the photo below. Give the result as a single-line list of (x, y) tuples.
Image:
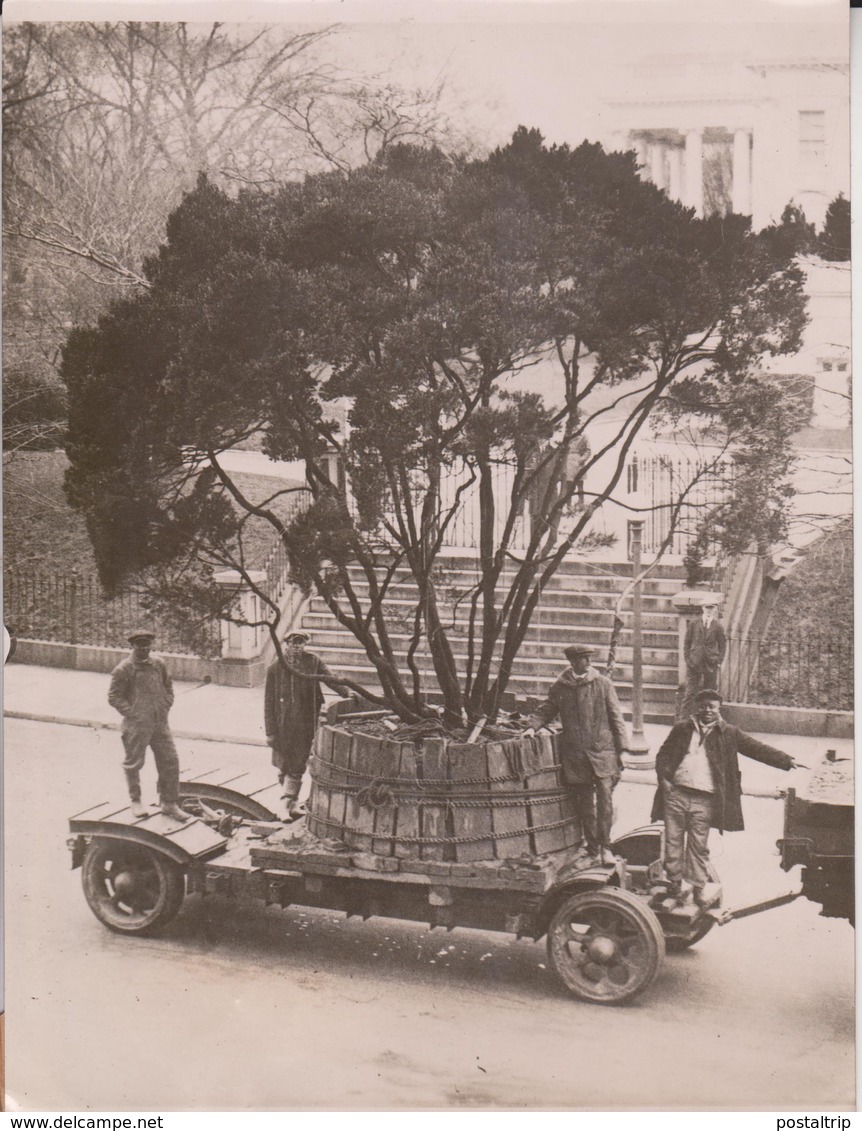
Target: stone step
[(406, 596), (568, 615), (464, 580), (569, 567), (526, 667), (531, 650), (326, 630), (656, 695)]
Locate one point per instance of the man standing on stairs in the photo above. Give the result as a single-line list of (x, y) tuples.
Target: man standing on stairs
[(141, 690), (705, 645), (292, 702), (591, 744)]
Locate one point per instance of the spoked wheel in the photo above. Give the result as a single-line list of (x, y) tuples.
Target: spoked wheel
[(605, 945), (214, 809), (130, 888)]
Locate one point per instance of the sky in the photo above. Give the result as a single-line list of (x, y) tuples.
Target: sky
[(548, 64)]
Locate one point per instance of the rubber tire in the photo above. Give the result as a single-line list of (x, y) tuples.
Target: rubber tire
[(638, 914), (108, 908)]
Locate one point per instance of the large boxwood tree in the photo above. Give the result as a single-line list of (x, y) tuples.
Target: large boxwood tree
[(424, 289)]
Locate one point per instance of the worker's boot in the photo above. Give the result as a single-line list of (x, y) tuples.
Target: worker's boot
[(292, 809), (171, 809), (139, 810)]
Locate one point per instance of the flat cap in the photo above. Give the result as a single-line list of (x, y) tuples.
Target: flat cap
[(578, 650), (708, 693), (297, 634), (140, 634)]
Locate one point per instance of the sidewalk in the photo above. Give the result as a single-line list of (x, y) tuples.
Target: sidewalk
[(235, 715)]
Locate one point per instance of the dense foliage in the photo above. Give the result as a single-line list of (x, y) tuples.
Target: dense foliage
[(424, 290)]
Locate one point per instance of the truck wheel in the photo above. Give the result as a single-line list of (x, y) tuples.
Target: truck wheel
[(605, 945), (130, 888), (211, 807)]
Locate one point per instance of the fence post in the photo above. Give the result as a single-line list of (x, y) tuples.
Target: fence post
[(73, 608)]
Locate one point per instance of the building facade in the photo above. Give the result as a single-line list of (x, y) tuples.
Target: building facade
[(721, 135)]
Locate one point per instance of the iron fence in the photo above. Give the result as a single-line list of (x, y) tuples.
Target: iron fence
[(664, 481), (800, 669), (72, 609)]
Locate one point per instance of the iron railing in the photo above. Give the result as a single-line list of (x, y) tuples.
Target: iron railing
[(72, 609), (799, 669)]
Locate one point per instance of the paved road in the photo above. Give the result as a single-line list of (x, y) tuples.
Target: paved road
[(238, 1006)]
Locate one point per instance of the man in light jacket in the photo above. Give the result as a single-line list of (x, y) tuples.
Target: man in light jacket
[(591, 744), (700, 787)]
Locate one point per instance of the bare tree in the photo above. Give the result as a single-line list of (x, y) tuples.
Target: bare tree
[(108, 124)]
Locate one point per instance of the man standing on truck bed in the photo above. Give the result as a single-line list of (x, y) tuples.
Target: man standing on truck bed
[(591, 745), (141, 690), (699, 788), (292, 701)]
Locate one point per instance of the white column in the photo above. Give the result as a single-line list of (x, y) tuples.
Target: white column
[(242, 641), (831, 408), (656, 164), (640, 147), (674, 161), (741, 196), (694, 170)]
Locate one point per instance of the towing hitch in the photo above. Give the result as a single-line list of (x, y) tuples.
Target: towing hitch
[(723, 917)]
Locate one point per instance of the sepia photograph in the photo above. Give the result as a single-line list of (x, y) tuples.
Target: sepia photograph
[(428, 557)]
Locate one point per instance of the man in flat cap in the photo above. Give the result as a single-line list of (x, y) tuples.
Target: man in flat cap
[(141, 690), (699, 788), (591, 744), (292, 701)]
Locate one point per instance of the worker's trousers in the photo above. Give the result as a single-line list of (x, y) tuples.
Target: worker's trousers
[(595, 806), (137, 737), (687, 821)]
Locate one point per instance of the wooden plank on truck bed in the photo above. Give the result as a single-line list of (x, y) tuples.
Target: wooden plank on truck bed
[(387, 762), (509, 818), (468, 761), (545, 812), (342, 742), (361, 817), (318, 801), (433, 765), (407, 824)]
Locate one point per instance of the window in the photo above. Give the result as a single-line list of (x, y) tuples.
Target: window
[(827, 366), (812, 149)]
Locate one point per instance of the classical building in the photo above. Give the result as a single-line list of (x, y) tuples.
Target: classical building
[(720, 134)]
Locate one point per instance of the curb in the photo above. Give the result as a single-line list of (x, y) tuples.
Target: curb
[(630, 775), (98, 724)]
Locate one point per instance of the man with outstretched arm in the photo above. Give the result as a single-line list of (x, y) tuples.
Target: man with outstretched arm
[(699, 788)]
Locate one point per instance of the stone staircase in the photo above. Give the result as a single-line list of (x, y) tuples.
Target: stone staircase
[(576, 607)]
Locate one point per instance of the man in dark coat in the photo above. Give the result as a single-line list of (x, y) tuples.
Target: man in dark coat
[(292, 703), (141, 690), (705, 645), (591, 744), (700, 788)]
